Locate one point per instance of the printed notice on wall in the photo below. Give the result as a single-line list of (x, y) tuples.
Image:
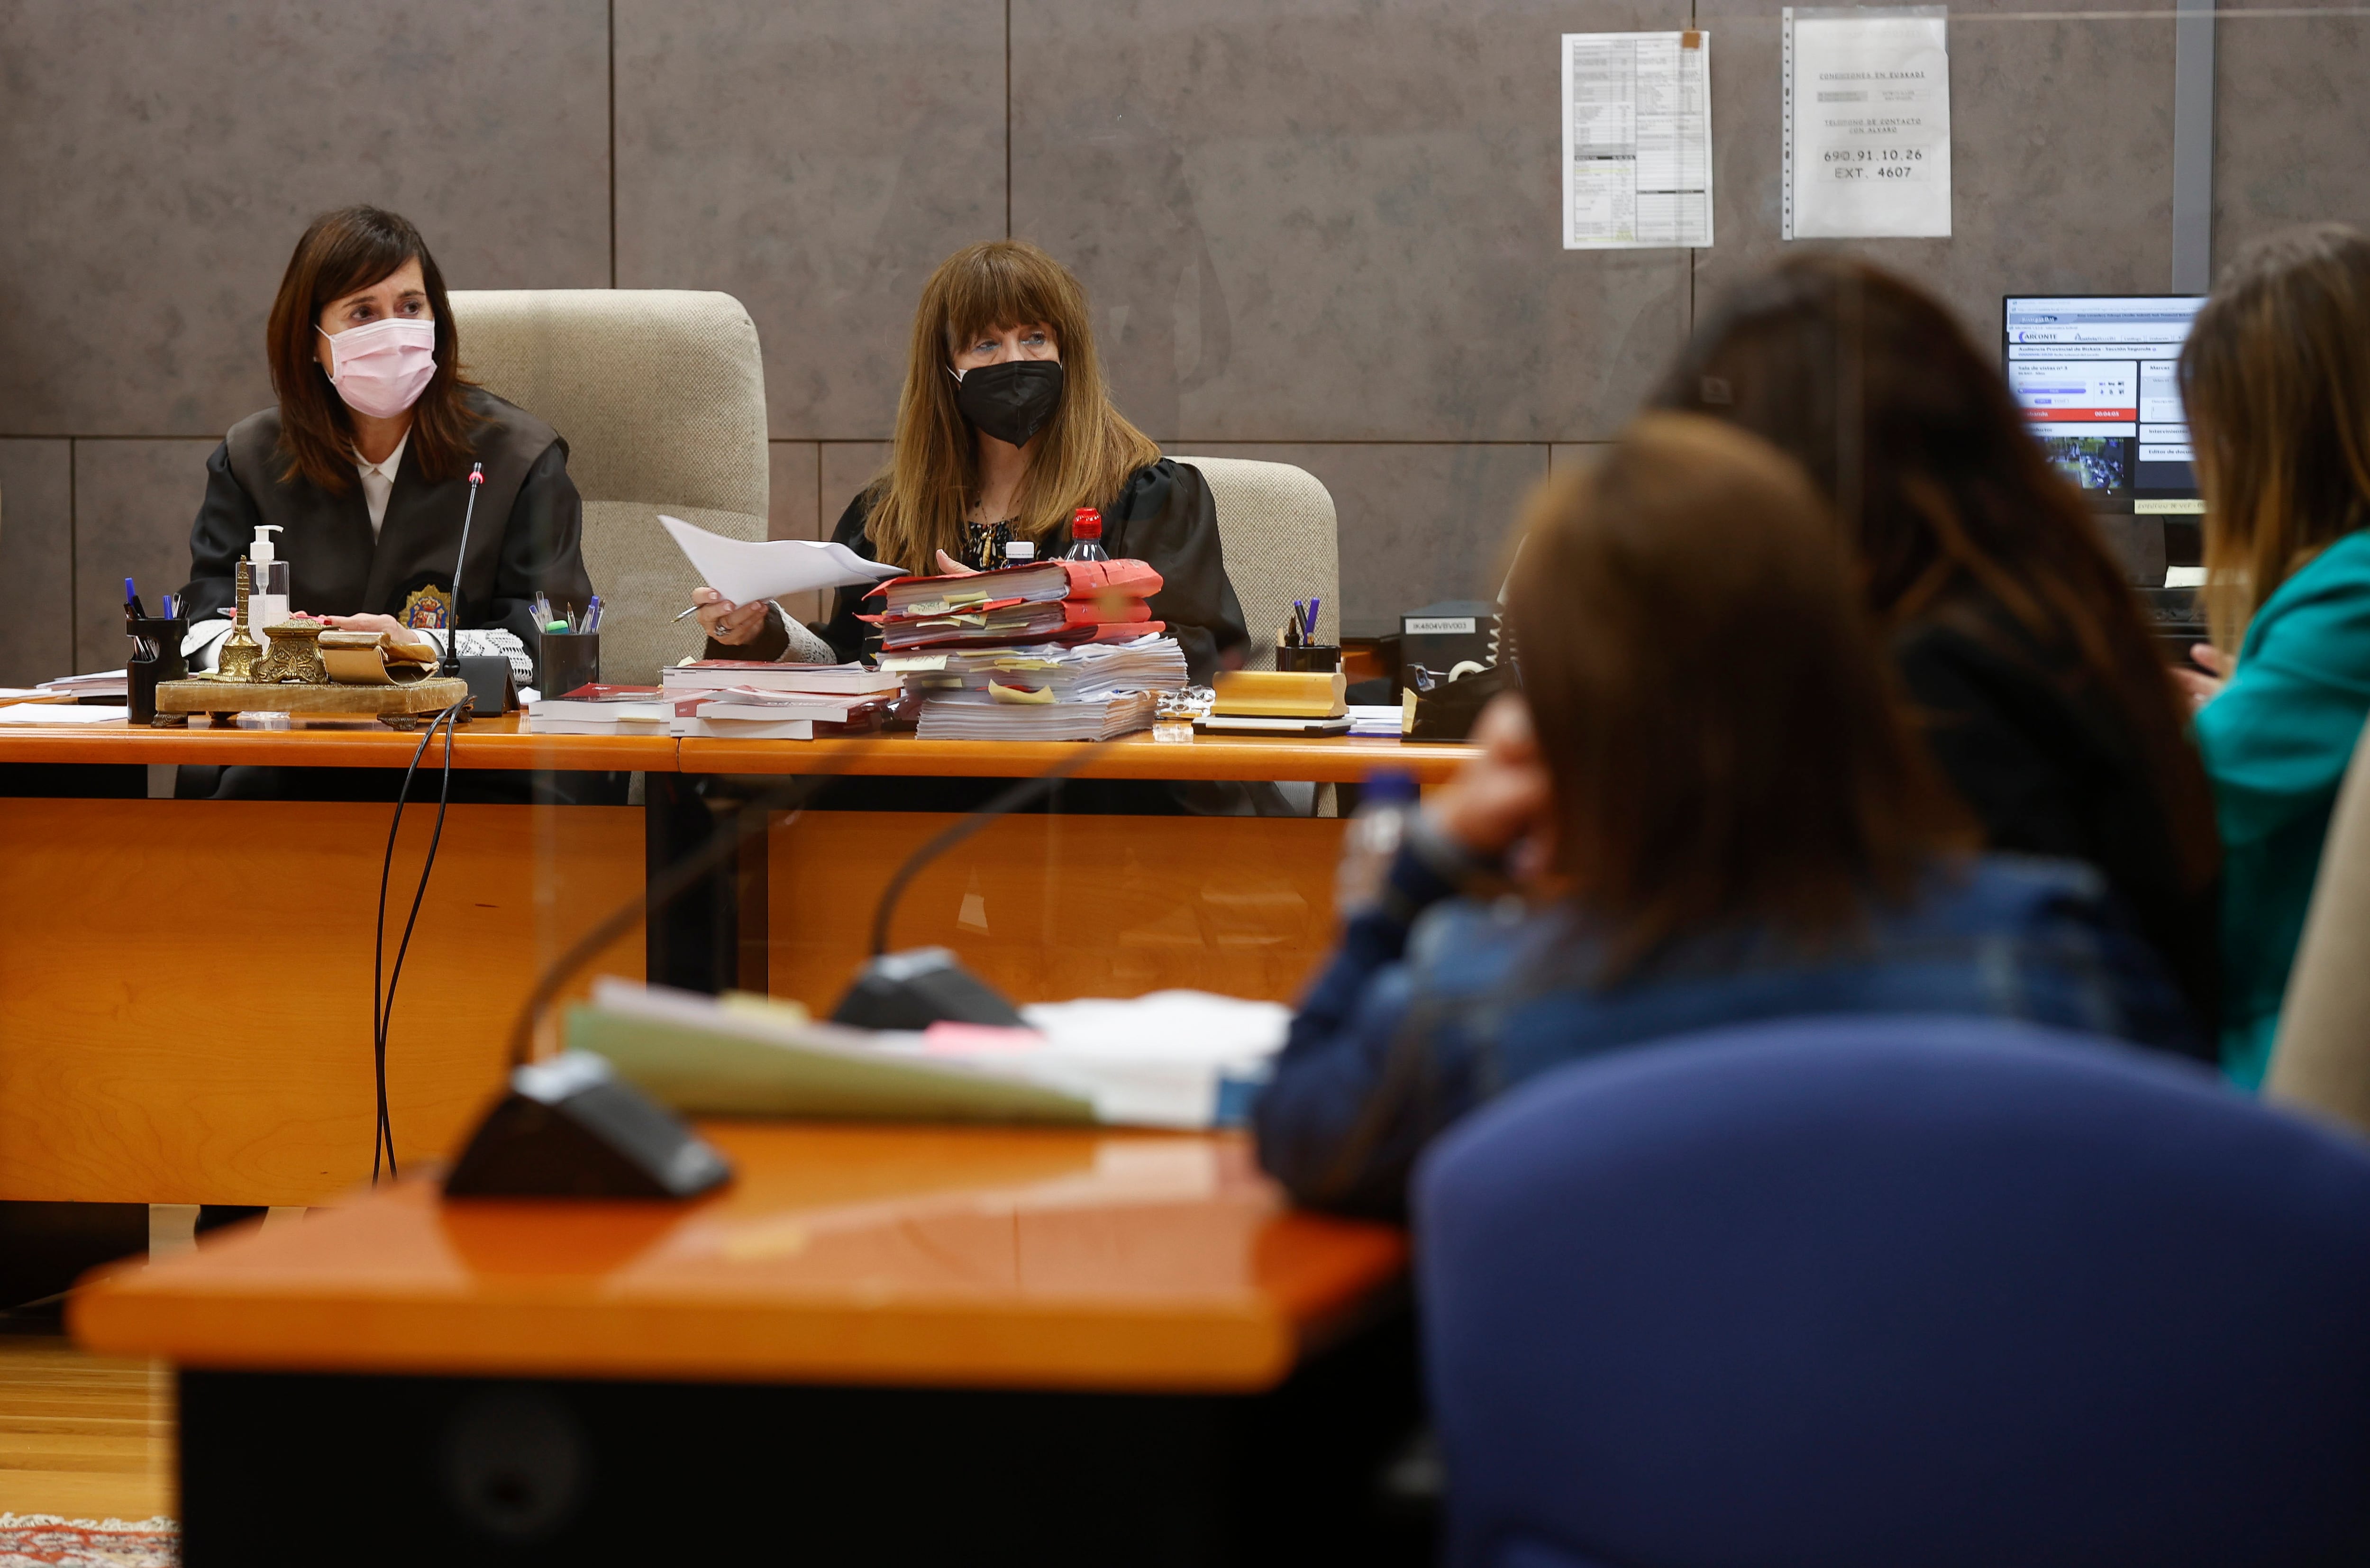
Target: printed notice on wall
[(1637, 140), (1865, 103)]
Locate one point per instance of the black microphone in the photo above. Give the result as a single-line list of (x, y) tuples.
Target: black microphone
[(452, 665), (583, 1131), (923, 985)]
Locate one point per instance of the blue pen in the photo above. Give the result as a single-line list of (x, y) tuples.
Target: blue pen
[(1313, 606), (592, 615)]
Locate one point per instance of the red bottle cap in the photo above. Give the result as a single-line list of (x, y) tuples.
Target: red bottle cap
[(1086, 524)]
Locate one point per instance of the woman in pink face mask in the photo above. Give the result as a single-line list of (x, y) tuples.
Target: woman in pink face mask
[(363, 463)]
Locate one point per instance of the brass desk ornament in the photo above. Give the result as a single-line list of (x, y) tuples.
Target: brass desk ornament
[(295, 655), (239, 650)]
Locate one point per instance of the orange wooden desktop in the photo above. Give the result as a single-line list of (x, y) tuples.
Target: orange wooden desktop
[(883, 1344), (1037, 1258), (184, 985), (1169, 752)]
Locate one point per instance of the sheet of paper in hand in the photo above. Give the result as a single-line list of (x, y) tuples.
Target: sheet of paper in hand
[(746, 571)]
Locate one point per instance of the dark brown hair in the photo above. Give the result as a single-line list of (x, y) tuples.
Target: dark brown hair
[(1941, 488), (933, 477), (342, 252), (1724, 743), (2275, 378)]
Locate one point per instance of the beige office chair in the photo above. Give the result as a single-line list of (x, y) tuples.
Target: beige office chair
[(1280, 541), (2321, 1059), (661, 396)]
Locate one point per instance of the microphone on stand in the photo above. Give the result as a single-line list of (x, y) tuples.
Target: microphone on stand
[(452, 665)]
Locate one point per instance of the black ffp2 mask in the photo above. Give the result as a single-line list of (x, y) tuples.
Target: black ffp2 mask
[(1011, 401)]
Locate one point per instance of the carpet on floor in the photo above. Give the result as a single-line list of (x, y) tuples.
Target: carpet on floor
[(45, 1541)]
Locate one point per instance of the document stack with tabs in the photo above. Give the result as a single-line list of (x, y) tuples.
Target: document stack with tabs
[(756, 702), (1056, 651)]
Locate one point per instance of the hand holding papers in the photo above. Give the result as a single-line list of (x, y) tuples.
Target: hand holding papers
[(749, 570)]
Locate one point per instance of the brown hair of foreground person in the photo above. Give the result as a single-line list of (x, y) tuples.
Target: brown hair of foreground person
[(2275, 378), (1710, 699), (340, 253), (1942, 491)]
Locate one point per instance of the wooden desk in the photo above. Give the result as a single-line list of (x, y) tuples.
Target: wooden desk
[(1168, 750), (1172, 752), (485, 743), (184, 986), (913, 1344)]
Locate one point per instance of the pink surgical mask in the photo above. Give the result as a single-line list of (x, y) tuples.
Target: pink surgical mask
[(381, 369)]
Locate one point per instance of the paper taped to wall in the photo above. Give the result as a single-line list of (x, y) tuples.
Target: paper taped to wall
[(1637, 140), (746, 571), (1866, 105)]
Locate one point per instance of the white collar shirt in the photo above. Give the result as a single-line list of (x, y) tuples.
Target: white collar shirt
[(378, 482)]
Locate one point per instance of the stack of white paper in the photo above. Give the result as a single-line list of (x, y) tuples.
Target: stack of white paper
[(60, 713), (1146, 663), (976, 716), (106, 683)]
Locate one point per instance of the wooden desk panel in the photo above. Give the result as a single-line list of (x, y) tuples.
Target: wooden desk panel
[(185, 985), (1038, 1258), (485, 743), (1169, 751), (1045, 908)]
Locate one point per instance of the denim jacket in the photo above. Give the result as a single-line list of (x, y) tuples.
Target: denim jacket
[(1433, 1003)]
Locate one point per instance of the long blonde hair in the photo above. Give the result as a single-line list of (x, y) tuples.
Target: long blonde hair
[(2275, 378), (932, 480)]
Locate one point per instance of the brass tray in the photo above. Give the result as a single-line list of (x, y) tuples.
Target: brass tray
[(398, 706)]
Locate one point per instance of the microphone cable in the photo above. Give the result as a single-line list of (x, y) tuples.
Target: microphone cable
[(382, 997)]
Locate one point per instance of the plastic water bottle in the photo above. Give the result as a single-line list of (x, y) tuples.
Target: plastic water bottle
[(1372, 840), (1087, 536)]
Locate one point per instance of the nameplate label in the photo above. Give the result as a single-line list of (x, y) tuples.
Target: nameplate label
[(1435, 626)]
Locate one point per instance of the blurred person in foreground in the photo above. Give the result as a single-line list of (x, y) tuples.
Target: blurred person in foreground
[(1709, 809), (2276, 377), (2035, 680)]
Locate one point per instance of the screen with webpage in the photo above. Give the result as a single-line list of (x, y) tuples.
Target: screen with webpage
[(2096, 375)]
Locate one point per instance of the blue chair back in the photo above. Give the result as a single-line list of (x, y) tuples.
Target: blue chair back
[(1896, 1292)]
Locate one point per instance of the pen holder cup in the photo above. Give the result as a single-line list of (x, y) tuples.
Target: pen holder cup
[(164, 638), (566, 660), (1315, 658)]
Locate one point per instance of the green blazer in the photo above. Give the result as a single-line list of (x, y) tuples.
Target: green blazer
[(2276, 742)]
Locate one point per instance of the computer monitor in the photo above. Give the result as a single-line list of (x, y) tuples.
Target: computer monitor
[(2096, 376)]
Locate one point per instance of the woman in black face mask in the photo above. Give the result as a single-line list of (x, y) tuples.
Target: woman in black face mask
[(1005, 430)]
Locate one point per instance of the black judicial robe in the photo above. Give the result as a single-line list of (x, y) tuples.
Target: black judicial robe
[(527, 535), (1162, 516)]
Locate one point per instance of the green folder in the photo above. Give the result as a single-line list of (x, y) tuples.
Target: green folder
[(734, 1065)]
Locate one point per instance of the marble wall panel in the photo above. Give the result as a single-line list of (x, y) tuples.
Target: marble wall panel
[(794, 485), (158, 159), (2291, 121), (2061, 153), (1418, 522), (814, 161), (1324, 220), (35, 560), (134, 501), (847, 467)]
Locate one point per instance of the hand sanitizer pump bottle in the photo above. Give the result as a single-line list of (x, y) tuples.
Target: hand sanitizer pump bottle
[(267, 602)]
